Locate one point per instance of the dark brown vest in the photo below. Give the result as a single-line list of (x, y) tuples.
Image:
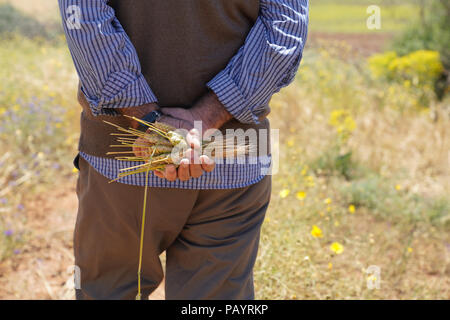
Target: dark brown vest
[(181, 44)]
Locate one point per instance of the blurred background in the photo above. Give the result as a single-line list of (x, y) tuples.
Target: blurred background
[(364, 161)]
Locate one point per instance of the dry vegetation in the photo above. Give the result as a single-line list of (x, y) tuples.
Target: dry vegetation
[(364, 179), (387, 204)]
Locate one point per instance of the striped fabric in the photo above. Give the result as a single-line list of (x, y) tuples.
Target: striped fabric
[(224, 176), (266, 62), (110, 74), (104, 57)]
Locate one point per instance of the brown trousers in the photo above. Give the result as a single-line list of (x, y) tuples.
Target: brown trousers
[(210, 237)]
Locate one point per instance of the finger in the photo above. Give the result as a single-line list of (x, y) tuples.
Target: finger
[(196, 170), (177, 123), (170, 121), (195, 164), (183, 170), (170, 173), (193, 139), (137, 151), (208, 164), (140, 147), (159, 174)]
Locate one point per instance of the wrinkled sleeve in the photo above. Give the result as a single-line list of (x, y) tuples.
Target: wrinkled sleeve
[(104, 57), (267, 61)]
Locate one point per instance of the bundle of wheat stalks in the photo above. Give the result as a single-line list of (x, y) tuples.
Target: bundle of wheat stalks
[(163, 145)]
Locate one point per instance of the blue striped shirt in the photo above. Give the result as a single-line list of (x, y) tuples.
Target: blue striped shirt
[(111, 77)]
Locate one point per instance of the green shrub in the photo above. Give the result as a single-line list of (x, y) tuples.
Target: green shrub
[(431, 33), (332, 162), (379, 196), (420, 68)]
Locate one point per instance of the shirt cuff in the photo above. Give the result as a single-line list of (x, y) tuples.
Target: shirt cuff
[(122, 90), (231, 97)]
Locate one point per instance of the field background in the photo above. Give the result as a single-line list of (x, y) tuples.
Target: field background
[(364, 165)]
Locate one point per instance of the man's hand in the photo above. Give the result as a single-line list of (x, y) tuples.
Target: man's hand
[(209, 110), (213, 115), (193, 165)]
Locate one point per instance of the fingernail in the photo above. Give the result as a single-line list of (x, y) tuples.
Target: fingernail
[(206, 160)]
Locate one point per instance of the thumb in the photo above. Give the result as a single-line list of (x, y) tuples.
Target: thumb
[(175, 122)]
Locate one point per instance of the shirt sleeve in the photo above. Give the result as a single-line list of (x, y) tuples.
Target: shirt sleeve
[(104, 57), (267, 61)]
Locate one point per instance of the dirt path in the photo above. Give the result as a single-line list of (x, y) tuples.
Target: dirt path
[(43, 269), (360, 44)]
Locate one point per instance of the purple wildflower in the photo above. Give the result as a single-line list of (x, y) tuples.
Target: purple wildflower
[(56, 166)]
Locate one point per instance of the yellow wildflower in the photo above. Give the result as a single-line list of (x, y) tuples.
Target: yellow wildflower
[(337, 248), (407, 84), (304, 170), (310, 181), (316, 232), (351, 208), (410, 250), (301, 195), (290, 143), (284, 193), (398, 187), (328, 201), (330, 265), (342, 121)]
